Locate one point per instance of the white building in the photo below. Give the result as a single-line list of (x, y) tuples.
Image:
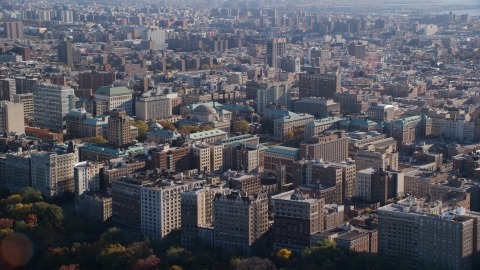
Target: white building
[(278, 93), (86, 178), (157, 36), (161, 206), (52, 172), (461, 129), (51, 103), (153, 105), (363, 184), (115, 98)]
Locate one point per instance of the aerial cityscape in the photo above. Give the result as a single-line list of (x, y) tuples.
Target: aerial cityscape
[(240, 135)]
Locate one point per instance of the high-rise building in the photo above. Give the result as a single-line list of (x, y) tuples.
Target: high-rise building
[(241, 156), (275, 48), (289, 63), (381, 113), (52, 172), (24, 84), (161, 211), (94, 80), (11, 117), (152, 106), (239, 220), (13, 30), (331, 145), (7, 89), (27, 101), (66, 53), (197, 212), (377, 185), (126, 205), (16, 173), (87, 178), (319, 85), (296, 217), (51, 103), (273, 93), (119, 128), (357, 49), (157, 36), (428, 235)]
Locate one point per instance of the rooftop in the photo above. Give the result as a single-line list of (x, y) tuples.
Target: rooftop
[(284, 150), (113, 91)]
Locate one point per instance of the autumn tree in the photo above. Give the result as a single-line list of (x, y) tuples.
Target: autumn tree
[(150, 263), (241, 126), (283, 254), (289, 135), (167, 125), (206, 128), (142, 129), (96, 139)]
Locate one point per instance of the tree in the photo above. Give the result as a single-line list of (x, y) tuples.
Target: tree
[(283, 254), (113, 235), (252, 263), (96, 139), (113, 256), (367, 210), (206, 128), (30, 195), (47, 213), (149, 263), (241, 126), (289, 136), (204, 67), (167, 125), (142, 129)]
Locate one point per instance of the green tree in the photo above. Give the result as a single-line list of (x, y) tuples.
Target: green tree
[(142, 129), (30, 195), (113, 235), (241, 126), (206, 128), (204, 67), (47, 213), (113, 256), (96, 139)]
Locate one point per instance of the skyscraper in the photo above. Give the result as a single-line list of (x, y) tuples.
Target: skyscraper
[(51, 103), (319, 85), (275, 48), (66, 53), (119, 128), (13, 30)]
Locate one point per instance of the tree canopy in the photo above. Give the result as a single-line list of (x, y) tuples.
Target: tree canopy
[(241, 126)]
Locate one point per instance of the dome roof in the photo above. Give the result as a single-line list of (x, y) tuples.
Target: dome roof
[(156, 125), (204, 109)]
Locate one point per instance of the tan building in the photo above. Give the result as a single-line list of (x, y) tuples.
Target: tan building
[(417, 182), (97, 206), (206, 115), (201, 157), (27, 101), (12, 117), (116, 98), (377, 158), (207, 136), (333, 216), (240, 220), (331, 145), (153, 105), (53, 172)]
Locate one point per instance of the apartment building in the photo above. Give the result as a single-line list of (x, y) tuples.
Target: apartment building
[(240, 220), (119, 128), (53, 171), (250, 183), (418, 182), (27, 102), (331, 145), (97, 206), (378, 185), (428, 235), (319, 85), (153, 106), (16, 170), (161, 206), (51, 104), (273, 93), (87, 178), (246, 157), (351, 237), (296, 217), (377, 158)]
